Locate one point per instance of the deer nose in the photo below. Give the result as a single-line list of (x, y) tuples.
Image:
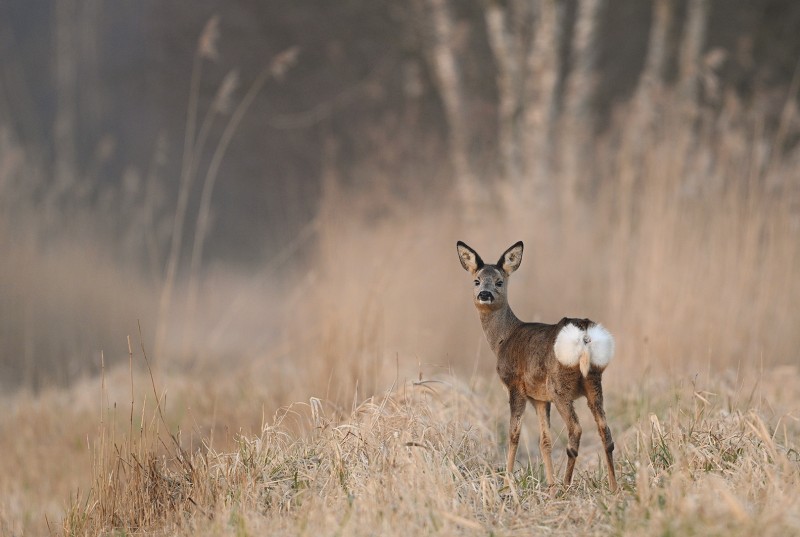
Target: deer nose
[(485, 296)]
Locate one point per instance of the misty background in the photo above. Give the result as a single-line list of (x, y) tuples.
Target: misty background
[(282, 183)]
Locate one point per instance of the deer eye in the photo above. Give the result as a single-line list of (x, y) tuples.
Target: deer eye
[(477, 283), (499, 283)]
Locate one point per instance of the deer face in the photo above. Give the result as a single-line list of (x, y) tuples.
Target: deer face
[(489, 288), (489, 283)]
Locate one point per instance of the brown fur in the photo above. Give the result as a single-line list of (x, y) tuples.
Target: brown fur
[(527, 365)]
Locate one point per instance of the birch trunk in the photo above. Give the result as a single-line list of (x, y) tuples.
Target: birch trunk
[(650, 89), (506, 45), (580, 93), (694, 42), (542, 105), (582, 82), (655, 67), (442, 57), (690, 87)]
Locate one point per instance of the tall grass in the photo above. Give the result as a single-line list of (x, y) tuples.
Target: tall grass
[(682, 238), (684, 242), (424, 458)]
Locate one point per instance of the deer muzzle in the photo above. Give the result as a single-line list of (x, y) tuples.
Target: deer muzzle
[(485, 297)]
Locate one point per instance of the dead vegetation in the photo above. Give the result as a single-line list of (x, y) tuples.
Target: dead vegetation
[(423, 458), (691, 257), (678, 227)]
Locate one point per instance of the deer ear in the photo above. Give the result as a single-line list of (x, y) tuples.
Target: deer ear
[(511, 258), (469, 258)]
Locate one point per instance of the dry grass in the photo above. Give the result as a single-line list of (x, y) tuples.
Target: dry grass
[(684, 243), (423, 459), (688, 283)]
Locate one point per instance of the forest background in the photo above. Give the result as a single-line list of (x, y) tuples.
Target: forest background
[(264, 198)]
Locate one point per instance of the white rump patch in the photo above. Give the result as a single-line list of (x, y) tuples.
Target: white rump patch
[(569, 345), (574, 346), (601, 346)]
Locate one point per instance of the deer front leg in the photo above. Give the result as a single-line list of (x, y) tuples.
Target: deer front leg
[(566, 408), (594, 397), (545, 441), (517, 402)]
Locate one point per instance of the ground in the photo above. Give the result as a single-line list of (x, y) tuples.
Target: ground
[(693, 456)]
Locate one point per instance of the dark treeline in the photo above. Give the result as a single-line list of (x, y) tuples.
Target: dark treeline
[(92, 89), (147, 147)]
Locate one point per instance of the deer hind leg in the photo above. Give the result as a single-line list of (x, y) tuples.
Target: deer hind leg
[(594, 397), (545, 440), (517, 402), (567, 410)]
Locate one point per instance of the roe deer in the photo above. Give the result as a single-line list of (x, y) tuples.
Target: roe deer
[(543, 363)]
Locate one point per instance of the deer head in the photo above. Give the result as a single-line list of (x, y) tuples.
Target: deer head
[(490, 281)]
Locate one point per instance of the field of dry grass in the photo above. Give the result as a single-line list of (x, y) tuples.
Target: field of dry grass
[(694, 456), (352, 392), (375, 409)]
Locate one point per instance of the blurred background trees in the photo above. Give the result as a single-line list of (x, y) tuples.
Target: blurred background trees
[(93, 88), (114, 115)]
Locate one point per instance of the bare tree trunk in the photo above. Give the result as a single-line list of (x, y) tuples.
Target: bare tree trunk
[(690, 88), (441, 55), (506, 45), (694, 42), (650, 89), (581, 90), (527, 39), (655, 67), (582, 83), (542, 105)]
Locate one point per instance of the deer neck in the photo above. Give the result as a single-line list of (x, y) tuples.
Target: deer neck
[(498, 326)]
